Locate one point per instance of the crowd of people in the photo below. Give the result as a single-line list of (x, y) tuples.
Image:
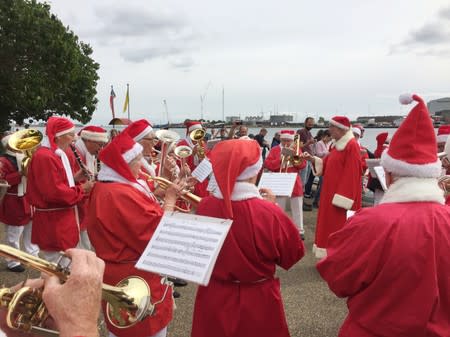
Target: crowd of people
[(101, 194)]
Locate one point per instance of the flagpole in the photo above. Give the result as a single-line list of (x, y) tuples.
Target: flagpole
[(128, 93)]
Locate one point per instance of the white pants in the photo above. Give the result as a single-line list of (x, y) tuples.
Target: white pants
[(160, 333), (296, 210), (13, 234)]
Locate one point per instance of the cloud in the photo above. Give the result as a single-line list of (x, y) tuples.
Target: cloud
[(184, 63), (431, 39), (143, 34)]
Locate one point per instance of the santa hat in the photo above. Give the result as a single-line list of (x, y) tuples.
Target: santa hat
[(94, 133), (56, 127), (341, 122), (443, 133), (381, 144), (234, 160), (118, 153), (412, 150), (138, 129), (192, 125), (356, 131), (287, 134)]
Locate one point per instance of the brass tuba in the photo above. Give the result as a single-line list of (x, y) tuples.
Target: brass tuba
[(26, 141), (198, 136), (127, 303)]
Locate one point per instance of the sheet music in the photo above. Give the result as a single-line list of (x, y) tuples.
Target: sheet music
[(281, 184), (185, 246), (381, 175), (212, 185), (203, 170), (371, 163)]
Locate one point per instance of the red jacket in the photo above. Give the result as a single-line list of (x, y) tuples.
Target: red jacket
[(14, 210)]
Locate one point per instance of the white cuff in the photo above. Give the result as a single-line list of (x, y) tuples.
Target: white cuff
[(317, 167), (342, 202)]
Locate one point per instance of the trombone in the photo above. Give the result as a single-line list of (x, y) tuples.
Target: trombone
[(127, 303), (291, 156)]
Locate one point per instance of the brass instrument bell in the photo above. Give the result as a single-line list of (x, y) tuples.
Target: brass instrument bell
[(26, 141), (127, 303), (198, 136)]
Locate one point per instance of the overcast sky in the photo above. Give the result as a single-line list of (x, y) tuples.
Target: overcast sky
[(315, 58)]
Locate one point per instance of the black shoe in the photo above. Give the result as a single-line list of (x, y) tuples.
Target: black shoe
[(307, 208), (17, 269), (176, 294), (177, 282)]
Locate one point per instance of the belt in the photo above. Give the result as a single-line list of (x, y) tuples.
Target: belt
[(53, 209), (251, 282)]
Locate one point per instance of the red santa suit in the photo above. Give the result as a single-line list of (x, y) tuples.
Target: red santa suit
[(243, 296), (121, 218), (341, 188), (53, 194), (391, 260), (15, 211), (273, 163)]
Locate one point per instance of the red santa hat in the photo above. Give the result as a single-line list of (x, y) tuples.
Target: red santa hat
[(119, 152), (94, 133), (138, 129), (443, 133), (341, 122), (234, 160), (412, 150), (56, 127), (356, 131), (192, 125), (287, 134)]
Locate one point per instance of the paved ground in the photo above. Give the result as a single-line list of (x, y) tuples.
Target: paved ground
[(311, 309)]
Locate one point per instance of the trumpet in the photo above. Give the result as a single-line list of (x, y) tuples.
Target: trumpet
[(127, 303), (182, 152), (296, 158), (198, 136), (26, 141)]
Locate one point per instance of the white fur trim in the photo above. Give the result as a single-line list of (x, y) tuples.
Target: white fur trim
[(442, 138), (287, 136), (241, 191), (342, 202), (339, 125), (412, 189), (5, 141), (406, 98), (94, 136), (447, 147), (319, 253), (343, 141), (357, 131), (194, 127), (318, 166), (146, 131), (132, 153), (66, 164), (251, 171), (403, 169), (63, 132)]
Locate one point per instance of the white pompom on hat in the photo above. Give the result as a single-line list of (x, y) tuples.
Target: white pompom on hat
[(412, 150)]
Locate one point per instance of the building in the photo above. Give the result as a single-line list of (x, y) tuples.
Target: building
[(231, 119), (440, 108), (281, 119)]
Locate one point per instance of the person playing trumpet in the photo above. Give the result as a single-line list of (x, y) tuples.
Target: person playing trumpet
[(277, 161), (121, 219)]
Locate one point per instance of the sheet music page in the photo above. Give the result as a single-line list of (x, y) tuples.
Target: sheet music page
[(371, 163), (281, 184), (212, 184), (185, 246), (381, 175), (203, 170)]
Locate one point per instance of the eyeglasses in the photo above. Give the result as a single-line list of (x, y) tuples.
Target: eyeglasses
[(150, 139)]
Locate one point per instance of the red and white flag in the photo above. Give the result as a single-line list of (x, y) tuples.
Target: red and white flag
[(111, 101)]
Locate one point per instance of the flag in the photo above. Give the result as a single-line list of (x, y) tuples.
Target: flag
[(127, 99), (112, 95)]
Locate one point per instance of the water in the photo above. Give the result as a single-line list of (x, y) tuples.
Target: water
[(369, 140)]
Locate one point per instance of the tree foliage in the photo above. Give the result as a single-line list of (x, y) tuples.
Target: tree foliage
[(44, 68)]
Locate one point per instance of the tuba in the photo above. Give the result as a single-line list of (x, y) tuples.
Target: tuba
[(168, 139), (26, 141), (127, 303), (198, 136)]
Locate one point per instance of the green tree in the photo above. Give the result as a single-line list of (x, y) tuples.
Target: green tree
[(44, 68)]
